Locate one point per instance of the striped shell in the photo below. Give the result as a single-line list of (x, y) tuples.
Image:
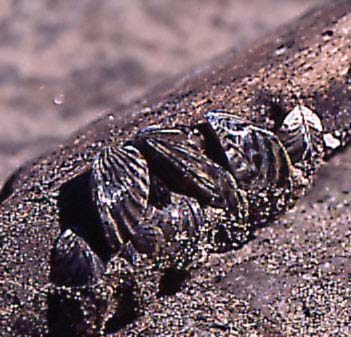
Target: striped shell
[(179, 224), (185, 170), (302, 135), (258, 161), (175, 194), (120, 184), (254, 156)]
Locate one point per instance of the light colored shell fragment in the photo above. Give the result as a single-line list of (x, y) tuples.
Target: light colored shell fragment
[(331, 142)]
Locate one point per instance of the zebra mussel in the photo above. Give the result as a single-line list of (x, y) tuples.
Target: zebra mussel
[(302, 135), (171, 195), (259, 162)]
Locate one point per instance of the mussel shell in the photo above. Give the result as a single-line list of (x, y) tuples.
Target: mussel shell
[(149, 237), (181, 223), (160, 194), (302, 134), (226, 232), (255, 156), (120, 184), (171, 233), (184, 169), (73, 263), (258, 161)]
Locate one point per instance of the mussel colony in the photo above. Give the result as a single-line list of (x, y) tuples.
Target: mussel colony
[(170, 196)]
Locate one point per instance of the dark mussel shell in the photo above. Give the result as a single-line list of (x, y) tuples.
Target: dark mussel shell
[(73, 263), (255, 156), (120, 184), (173, 157), (149, 237), (258, 161), (167, 233), (181, 222)]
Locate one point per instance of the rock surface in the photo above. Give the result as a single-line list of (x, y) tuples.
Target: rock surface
[(294, 279), (62, 65)]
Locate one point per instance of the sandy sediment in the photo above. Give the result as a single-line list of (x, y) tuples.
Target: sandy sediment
[(60, 68), (63, 64)]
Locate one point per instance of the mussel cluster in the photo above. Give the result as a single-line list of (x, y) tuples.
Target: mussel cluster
[(174, 194)]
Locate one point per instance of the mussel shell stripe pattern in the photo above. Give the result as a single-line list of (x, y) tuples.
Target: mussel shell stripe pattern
[(148, 237), (259, 162), (255, 156), (302, 135), (181, 223), (120, 183), (73, 263), (186, 170)]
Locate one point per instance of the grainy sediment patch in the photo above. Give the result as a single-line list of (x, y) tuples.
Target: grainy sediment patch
[(294, 279)]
